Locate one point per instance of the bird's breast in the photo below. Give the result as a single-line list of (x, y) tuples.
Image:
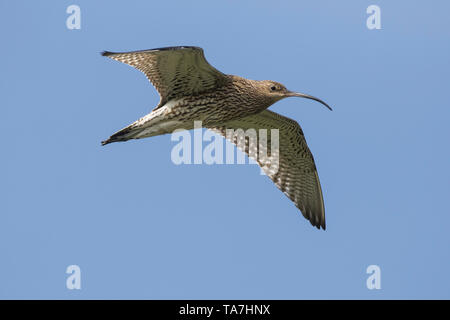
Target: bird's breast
[(214, 108)]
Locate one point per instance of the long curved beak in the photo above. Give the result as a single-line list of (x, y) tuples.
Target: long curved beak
[(302, 95)]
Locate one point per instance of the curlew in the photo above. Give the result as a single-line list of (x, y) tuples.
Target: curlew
[(191, 90)]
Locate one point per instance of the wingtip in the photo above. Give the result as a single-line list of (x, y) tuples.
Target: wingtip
[(320, 226), (109, 53), (105, 53), (317, 222)]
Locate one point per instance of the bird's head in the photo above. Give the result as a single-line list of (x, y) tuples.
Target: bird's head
[(276, 91)]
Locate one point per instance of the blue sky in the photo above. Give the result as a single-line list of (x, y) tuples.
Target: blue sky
[(141, 227)]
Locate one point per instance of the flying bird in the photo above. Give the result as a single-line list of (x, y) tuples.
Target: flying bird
[(190, 89)]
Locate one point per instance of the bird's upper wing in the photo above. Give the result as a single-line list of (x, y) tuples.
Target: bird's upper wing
[(296, 173), (174, 71)]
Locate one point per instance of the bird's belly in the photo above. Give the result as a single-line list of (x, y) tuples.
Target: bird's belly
[(187, 114), (209, 112)]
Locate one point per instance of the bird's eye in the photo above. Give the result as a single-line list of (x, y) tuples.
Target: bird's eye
[(273, 88)]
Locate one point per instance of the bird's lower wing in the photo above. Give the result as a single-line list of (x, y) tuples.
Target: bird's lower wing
[(292, 168), (174, 71)]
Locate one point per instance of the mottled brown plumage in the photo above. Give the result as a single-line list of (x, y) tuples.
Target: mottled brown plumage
[(191, 90)]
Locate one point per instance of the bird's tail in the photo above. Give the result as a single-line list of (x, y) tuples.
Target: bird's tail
[(148, 126), (122, 135)]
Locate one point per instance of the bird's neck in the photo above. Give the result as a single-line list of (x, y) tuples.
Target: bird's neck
[(251, 94)]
